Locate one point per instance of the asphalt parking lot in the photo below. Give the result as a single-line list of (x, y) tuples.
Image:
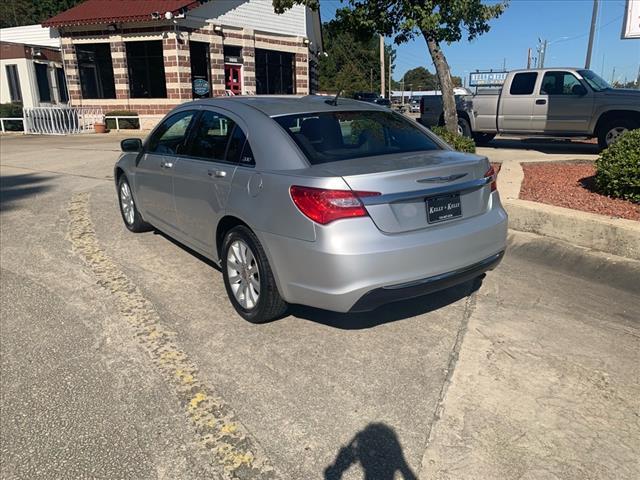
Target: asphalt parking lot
[(122, 358)]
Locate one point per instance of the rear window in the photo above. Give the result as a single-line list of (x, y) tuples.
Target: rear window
[(334, 136), (523, 83)]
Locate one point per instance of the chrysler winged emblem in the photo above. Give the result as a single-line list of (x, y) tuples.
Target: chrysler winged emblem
[(448, 178)]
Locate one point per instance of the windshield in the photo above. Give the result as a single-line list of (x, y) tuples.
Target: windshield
[(333, 136), (594, 81)]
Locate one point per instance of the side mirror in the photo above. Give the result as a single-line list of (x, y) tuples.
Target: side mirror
[(131, 145), (579, 90)]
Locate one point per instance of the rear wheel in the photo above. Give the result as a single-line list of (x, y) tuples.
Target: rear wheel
[(248, 278), (483, 138), (130, 214), (611, 130)]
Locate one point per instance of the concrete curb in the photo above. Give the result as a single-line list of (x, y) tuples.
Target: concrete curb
[(611, 235)]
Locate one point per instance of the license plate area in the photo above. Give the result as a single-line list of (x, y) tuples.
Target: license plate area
[(443, 208)]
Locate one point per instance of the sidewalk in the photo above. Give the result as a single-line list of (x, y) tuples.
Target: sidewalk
[(607, 234)]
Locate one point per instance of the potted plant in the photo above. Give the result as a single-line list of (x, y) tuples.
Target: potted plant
[(99, 125)]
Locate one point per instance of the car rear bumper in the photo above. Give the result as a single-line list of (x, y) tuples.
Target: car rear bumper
[(354, 266), (393, 293)]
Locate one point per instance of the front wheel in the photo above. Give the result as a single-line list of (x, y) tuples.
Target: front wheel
[(464, 128), (128, 209), (248, 278)]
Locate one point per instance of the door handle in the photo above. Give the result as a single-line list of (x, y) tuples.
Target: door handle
[(542, 101), (164, 164), (217, 173)]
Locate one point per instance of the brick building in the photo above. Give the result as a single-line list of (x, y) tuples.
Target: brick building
[(148, 56)]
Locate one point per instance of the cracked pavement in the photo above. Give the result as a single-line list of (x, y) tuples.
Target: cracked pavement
[(530, 375)]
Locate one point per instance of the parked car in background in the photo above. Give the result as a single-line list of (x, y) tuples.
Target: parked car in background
[(335, 204), (372, 97), (552, 102)]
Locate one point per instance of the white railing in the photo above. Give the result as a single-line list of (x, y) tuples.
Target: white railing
[(60, 120), (120, 117), (10, 119)]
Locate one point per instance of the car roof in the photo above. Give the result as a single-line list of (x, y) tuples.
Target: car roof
[(274, 105)]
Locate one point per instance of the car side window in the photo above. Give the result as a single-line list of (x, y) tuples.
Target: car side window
[(559, 83), (523, 83), (235, 145), (169, 137), (247, 158), (211, 136)]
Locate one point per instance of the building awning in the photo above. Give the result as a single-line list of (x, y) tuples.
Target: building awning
[(92, 12)]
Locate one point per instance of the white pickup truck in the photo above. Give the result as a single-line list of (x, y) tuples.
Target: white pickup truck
[(552, 102)]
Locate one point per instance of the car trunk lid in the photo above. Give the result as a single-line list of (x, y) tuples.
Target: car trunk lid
[(418, 190)]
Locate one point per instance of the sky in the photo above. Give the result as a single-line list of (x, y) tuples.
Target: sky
[(564, 23)]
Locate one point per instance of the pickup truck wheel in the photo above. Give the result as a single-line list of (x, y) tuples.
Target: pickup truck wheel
[(464, 128), (483, 138), (611, 130)]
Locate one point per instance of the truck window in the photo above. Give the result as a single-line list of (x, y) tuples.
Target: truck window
[(559, 83), (523, 83)]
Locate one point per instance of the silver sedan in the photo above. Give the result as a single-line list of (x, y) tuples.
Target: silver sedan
[(336, 204)]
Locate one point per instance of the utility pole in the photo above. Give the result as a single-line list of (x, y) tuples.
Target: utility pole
[(382, 69), (403, 90), (528, 59), (592, 33), (543, 54), (389, 76)]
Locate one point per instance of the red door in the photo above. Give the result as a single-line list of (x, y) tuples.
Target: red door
[(232, 79)]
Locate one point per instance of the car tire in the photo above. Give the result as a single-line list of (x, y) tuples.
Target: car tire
[(610, 130), (128, 209), (240, 268), (464, 128), (483, 138)]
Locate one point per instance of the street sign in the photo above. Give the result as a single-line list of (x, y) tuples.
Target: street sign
[(200, 87), (483, 79), (631, 23)]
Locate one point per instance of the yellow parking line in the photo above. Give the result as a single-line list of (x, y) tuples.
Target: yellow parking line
[(215, 424)]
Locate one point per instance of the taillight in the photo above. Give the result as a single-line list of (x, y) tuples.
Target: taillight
[(324, 206), (492, 173)]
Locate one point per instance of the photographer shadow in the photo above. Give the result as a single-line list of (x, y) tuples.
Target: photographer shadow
[(378, 452)]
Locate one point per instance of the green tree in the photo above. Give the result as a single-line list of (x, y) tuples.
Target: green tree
[(14, 13), (351, 63), (420, 78), (437, 21)]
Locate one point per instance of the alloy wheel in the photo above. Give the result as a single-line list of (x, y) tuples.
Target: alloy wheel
[(126, 200), (614, 134), (243, 274)]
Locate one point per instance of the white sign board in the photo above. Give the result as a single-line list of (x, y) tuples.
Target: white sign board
[(631, 24)]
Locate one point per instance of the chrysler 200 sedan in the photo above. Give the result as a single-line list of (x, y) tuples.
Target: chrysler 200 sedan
[(331, 203)]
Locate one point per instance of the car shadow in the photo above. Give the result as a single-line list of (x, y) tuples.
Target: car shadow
[(546, 145), (206, 260), (14, 188), (388, 313), (377, 450)]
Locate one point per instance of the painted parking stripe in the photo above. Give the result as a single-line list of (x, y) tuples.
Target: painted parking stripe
[(215, 425)]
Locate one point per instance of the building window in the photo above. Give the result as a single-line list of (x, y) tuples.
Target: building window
[(274, 72), (62, 85), (146, 69), (200, 69), (96, 70), (42, 79), (15, 92)]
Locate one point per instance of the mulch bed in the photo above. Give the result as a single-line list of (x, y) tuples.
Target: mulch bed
[(572, 185)]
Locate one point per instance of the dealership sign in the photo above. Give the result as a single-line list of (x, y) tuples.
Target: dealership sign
[(480, 79), (631, 24)]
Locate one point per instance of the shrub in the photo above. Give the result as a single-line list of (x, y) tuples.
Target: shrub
[(125, 123), (458, 142), (11, 110), (618, 168)]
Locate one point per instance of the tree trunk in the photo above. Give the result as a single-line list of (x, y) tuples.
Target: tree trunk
[(446, 84)]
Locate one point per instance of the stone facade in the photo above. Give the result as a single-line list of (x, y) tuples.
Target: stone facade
[(177, 63)]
